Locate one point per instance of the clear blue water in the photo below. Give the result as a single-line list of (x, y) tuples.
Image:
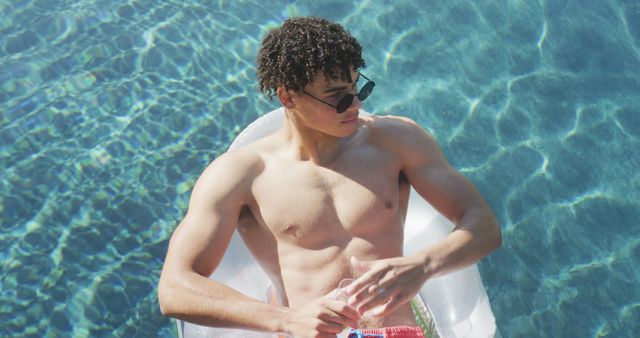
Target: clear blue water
[(109, 111)]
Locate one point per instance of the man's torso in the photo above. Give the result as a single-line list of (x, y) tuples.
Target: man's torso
[(305, 221)]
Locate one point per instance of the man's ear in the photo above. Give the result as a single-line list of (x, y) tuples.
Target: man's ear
[(285, 96)]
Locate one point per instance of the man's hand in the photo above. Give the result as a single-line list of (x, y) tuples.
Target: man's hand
[(324, 317), (386, 284)]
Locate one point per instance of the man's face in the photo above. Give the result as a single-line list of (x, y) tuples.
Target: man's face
[(321, 115), (335, 94)]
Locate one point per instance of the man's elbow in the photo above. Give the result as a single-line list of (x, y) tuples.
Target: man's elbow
[(488, 231), (495, 241), (166, 299)]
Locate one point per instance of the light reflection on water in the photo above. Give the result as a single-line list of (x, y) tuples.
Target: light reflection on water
[(108, 113)]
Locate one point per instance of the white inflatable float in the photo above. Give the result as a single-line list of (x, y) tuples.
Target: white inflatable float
[(457, 301)]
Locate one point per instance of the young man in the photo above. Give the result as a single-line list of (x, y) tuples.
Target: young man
[(321, 200)]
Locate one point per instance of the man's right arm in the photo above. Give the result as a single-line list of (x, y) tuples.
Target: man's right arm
[(197, 246)]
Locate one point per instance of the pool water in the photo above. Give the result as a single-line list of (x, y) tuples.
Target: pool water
[(110, 110)]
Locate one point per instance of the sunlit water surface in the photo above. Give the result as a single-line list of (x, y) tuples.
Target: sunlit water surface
[(110, 110)]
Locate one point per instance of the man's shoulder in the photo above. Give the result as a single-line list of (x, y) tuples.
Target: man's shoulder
[(386, 120), (241, 161), (395, 128), (234, 167)]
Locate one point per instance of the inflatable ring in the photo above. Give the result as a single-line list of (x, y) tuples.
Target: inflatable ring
[(457, 301)]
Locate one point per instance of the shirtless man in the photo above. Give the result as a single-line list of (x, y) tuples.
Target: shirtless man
[(322, 199)]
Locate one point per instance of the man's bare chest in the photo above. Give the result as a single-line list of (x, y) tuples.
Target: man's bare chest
[(310, 205)]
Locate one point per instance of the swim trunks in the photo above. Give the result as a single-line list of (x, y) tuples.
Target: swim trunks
[(388, 332)]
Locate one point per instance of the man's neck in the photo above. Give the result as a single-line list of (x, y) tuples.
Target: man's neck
[(308, 144)]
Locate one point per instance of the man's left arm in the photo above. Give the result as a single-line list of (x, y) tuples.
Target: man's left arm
[(392, 282), (476, 231)]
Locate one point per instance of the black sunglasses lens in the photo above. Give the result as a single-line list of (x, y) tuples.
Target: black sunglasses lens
[(366, 91), (347, 100), (344, 103)]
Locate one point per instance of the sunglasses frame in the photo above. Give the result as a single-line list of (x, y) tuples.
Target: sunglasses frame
[(346, 101)]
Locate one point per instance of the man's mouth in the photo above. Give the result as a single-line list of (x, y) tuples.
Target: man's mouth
[(351, 120)]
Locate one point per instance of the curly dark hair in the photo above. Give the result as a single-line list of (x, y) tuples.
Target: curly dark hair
[(292, 54)]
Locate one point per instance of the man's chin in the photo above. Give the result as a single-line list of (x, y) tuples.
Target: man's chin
[(347, 130)]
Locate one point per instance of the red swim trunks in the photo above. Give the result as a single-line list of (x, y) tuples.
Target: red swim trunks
[(388, 332)]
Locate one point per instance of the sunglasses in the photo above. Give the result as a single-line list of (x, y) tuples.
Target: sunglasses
[(346, 101)]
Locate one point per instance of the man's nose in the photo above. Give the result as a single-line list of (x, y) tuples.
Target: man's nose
[(356, 104)]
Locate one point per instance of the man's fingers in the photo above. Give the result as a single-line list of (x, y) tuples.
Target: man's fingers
[(373, 289), (371, 277), (381, 296), (344, 314), (336, 320), (388, 307), (330, 327), (360, 266)]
